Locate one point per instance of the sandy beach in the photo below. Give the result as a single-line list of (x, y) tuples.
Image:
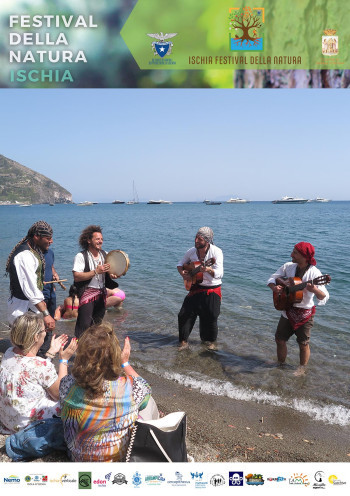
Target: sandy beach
[(220, 429)]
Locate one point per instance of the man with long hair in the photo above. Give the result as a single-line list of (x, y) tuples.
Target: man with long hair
[(90, 274), (26, 267)]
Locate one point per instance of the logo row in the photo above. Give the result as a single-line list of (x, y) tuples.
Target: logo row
[(85, 480)]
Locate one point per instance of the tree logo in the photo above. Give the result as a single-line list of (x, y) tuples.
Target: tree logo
[(246, 26), (329, 42)]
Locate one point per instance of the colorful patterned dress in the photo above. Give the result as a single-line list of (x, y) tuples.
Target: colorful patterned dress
[(98, 429)]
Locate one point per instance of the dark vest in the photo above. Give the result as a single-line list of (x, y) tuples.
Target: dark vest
[(15, 287), (82, 285)]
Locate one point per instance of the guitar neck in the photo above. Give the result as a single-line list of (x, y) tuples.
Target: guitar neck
[(299, 287), (197, 269)]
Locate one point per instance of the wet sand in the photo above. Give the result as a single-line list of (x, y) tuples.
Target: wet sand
[(220, 429)]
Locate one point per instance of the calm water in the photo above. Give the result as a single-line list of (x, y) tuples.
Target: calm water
[(256, 239)]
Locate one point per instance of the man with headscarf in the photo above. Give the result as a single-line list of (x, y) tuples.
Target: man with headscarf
[(26, 267), (299, 318), (204, 298)]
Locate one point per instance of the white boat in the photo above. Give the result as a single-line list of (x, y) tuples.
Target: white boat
[(118, 202), (321, 200), (290, 199), (237, 200), (85, 204), (25, 205), (159, 202), (135, 199)]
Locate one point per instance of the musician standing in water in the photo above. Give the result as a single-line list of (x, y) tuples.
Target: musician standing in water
[(299, 318), (204, 298), (91, 277)]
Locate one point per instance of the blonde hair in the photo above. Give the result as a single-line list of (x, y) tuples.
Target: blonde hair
[(24, 329), (98, 359)]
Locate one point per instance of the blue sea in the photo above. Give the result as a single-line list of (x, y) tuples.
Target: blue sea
[(256, 239)]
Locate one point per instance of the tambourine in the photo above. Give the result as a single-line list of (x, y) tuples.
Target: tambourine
[(118, 261)]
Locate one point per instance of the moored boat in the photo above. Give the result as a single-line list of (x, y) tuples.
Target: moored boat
[(237, 200), (290, 199), (321, 200), (117, 202), (85, 204)]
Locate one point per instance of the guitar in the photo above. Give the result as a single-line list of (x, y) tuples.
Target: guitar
[(292, 291), (193, 269)]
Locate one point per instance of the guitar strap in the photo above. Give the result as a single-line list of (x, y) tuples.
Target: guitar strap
[(300, 272)]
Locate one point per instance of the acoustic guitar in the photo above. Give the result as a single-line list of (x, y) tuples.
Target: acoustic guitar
[(292, 291), (193, 269)]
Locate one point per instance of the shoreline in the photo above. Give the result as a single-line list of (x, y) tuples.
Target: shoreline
[(220, 429)]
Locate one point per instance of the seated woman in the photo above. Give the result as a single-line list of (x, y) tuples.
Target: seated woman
[(115, 298), (101, 400), (29, 385), (69, 309)]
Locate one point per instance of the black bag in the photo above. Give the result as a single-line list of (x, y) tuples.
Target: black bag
[(161, 440)]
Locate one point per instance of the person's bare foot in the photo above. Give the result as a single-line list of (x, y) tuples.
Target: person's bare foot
[(212, 346), (183, 346), (300, 371)]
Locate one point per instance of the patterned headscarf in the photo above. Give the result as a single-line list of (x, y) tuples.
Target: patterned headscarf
[(40, 228), (307, 251), (207, 234)]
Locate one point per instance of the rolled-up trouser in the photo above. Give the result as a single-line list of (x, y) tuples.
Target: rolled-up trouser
[(207, 308), (89, 314), (36, 440)]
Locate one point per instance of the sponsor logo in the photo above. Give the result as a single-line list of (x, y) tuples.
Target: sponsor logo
[(108, 476), (330, 43), (84, 480), (299, 479), (276, 479), (217, 480), (100, 482), (197, 477), (154, 480), (319, 478), (333, 479), (235, 479), (12, 479), (254, 479), (36, 480), (136, 479), (246, 26), (179, 480), (162, 47), (64, 479), (119, 479)]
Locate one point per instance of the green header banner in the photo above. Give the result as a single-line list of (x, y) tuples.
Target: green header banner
[(268, 34), (122, 43)]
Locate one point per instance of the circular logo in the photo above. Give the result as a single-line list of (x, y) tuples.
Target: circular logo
[(332, 478), (119, 479), (27, 478), (84, 480)]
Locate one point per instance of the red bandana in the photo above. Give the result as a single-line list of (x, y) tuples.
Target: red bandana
[(307, 251)]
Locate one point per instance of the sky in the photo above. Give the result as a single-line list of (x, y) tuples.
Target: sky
[(182, 144)]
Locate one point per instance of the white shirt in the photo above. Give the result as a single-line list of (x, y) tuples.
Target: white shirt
[(98, 281), (288, 270), (26, 265), (218, 267), (23, 396)]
